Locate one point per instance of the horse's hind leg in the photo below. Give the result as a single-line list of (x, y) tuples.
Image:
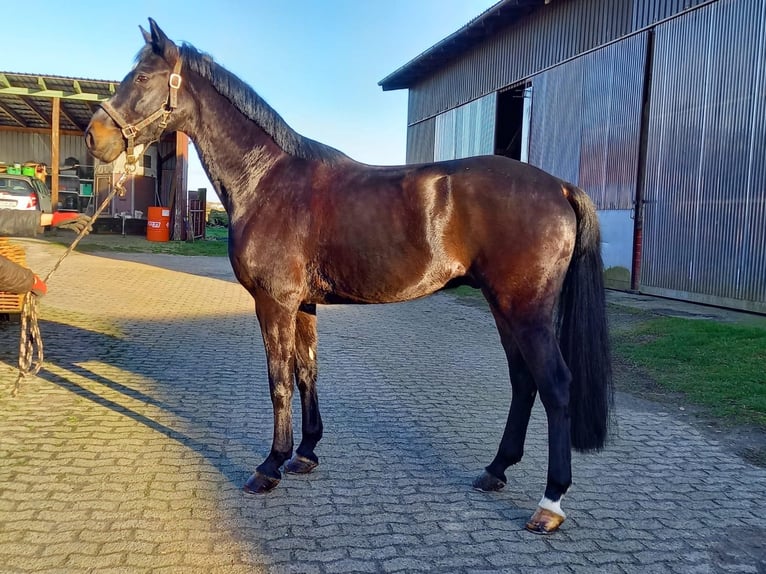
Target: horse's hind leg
[(523, 388), (537, 342), (305, 460)]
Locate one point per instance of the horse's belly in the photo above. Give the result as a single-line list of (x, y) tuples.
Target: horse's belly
[(388, 284)]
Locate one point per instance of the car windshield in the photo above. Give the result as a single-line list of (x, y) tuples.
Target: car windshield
[(18, 187)]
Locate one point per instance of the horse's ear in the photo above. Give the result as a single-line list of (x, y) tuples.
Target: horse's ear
[(161, 44), (147, 36)]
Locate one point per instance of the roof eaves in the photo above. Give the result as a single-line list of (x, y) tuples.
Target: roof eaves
[(500, 14)]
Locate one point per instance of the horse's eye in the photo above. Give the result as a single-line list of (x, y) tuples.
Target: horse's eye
[(141, 78)]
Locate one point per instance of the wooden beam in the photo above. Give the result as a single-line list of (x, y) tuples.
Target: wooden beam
[(30, 103), (179, 178), (61, 94), (43, 91), (70, 119), (55, 136), (16, 117), (36, 109)]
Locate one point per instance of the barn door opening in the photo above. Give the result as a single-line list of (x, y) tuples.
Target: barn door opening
[(514, 112)]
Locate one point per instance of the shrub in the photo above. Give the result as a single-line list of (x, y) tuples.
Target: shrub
[(218, 217)]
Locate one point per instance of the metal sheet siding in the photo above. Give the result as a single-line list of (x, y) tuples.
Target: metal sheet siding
[(420, 142), (558, 31), (556, 131), (647, 12), (705, 180), (586, 121), (467, 130), (21, 147)]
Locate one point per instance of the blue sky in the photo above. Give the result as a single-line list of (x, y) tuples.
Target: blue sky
[(317, 62)]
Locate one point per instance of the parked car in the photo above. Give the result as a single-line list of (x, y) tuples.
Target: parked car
[(69, 192), (24, 192)]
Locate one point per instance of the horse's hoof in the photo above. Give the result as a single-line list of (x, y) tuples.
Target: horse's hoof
[(544, 522), (300, 465), (260, 483), (488, 483)]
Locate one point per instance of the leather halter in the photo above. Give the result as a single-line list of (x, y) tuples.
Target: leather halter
[(130, 131)]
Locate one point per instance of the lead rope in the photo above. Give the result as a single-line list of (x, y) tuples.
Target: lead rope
[(31, 354)]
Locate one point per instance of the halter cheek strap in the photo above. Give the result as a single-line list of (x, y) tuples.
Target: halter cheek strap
[(130, 131)]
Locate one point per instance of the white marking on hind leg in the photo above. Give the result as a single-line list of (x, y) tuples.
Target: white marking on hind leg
[(554, 507)]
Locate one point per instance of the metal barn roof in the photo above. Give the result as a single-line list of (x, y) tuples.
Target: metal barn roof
[(26, 100), (483, 26)]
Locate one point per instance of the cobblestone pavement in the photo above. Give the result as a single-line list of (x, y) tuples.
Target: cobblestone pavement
[(128, 452)]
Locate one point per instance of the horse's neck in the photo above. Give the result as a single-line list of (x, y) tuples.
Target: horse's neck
[(235, 152)]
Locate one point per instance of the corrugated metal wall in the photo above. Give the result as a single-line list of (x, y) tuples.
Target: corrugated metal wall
[(705, 192), (467, 130), (420, 142), (647, 12), (556, 130), (21, 147), (555, 33), (586, 121)]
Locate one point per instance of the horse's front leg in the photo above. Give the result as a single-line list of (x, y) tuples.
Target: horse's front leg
[(305, 460), (277, 323)]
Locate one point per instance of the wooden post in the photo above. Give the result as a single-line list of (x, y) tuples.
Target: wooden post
[(179, 178), (55, 120)]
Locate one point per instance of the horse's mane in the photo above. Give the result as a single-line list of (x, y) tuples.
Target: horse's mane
[(247, 101)]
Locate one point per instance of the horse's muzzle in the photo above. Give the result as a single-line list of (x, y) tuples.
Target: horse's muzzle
[(104, 139)]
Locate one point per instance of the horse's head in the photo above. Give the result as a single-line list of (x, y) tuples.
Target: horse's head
[(148, 101)]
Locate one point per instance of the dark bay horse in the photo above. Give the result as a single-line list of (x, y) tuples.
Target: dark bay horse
[(310, 226)]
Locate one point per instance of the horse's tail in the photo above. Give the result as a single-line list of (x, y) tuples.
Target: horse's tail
[(583, 333)]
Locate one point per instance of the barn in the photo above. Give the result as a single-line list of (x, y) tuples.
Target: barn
[(42, 120), (655, 107)]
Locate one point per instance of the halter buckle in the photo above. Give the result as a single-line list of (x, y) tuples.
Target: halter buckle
[(165, 118), (175, 81), (129, 132)]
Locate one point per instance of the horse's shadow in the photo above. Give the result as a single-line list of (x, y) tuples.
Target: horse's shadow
[(70, 355), (227, 418)]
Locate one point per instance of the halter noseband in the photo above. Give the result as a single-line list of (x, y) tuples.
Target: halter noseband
[(129, 131)]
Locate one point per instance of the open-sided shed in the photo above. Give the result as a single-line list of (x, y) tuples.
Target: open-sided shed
[(43, 118)]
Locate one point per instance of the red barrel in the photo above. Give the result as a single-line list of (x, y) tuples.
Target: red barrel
[(158, 224)]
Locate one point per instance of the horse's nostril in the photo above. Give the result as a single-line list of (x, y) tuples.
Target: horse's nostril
[(89, 139)]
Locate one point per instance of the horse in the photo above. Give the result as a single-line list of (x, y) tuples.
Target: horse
[(310, 226)]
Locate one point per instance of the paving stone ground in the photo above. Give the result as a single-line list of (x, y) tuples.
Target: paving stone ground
[(128, 453)]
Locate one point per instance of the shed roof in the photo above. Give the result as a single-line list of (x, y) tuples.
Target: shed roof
[(26, 100), (483, 26)]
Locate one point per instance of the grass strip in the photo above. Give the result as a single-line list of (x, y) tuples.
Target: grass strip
[(719, 365)]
